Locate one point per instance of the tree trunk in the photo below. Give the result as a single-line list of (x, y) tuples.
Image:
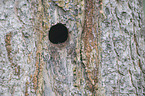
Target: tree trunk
[(103, 55)]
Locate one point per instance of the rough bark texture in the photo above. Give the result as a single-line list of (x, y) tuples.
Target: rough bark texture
[(104, 55), (123, 45), (17, 48)]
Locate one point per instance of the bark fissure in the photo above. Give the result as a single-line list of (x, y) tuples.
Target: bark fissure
[(133, 83), (90, 39)]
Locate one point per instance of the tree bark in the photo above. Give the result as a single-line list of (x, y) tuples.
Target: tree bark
[(104, 54)]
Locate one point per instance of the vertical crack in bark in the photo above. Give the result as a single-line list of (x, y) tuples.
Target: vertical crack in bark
[(133, 83), (16, 12), (26, 88), (38, 76), (117, 55), (37, 79), (140, 66), (90, 46), (139, 61), (135, 40), (14, 66), (131, 54), (8, 46), (130, 46), (137, 56)]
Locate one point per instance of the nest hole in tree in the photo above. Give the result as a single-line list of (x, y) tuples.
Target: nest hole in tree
[(58, 33)]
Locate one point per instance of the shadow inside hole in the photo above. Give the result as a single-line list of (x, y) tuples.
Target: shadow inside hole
[(58, 33)]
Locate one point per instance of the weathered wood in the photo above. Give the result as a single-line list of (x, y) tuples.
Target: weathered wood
[(103, 55)]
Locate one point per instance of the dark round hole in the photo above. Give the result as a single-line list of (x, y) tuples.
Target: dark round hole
[(58, 33)]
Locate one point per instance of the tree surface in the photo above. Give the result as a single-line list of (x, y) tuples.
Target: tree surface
[(103, 55)]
